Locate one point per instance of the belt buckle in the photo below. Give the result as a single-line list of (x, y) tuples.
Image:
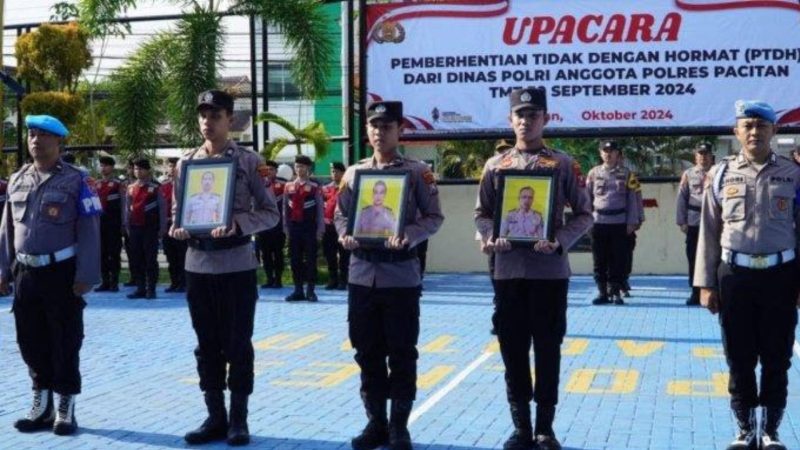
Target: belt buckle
[(759, 262), (29, 260)]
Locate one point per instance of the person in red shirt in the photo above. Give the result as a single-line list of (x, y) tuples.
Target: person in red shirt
[(302, 220), (272, 241), (337, 257), (111, 192), (146, 221), (174, 249)]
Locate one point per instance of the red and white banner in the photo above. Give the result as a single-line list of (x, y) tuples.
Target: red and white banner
[(605, 63)]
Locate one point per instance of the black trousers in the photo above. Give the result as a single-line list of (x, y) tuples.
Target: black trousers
[(135, 271), (692, 233), (110, 250), (337, 257), (222, 307), (270, 244), (175, 251), (384, 325), (303, 254), (629, 260), (758, 316), (144, 255), (531, 310), (422, 254), (49, 322), (610, 252)]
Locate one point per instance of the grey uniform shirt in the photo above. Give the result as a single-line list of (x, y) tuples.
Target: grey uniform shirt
[(254, 209), (690, 197), (613, 194), (42, 216), (423, 217), (523, 262), (752, 211)]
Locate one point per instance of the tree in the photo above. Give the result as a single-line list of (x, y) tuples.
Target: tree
[(313, 133), (52, 57), (463, 159)]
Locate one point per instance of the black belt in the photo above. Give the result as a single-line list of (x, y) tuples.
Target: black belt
[(210, 245), (610, 212), (385, 255), (694, 208)]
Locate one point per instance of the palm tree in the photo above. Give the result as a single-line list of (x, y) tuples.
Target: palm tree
[(313, 133), (464, 159)]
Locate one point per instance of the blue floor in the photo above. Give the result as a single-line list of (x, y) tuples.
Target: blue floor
[(647, 375)]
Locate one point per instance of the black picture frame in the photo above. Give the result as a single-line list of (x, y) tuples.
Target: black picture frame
[(524, 228), (371, 224), (193, 208)]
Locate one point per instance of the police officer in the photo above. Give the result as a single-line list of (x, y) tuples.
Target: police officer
[(111, 193), (135, 273), (501, 146), (303, 223), (221, 282), (336, 256), (747, 271), (531, 283), (51, 213), (689, 201), (795, 153), (384, 286), (612, 189), (174, 249), (272, 241), (146, 222)]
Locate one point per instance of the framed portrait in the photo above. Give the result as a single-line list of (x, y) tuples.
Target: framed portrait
[(525, 211), (379, 205), (206, 201)]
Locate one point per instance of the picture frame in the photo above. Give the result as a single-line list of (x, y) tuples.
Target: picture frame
[(206, 201), (379, 205), (525, 211)]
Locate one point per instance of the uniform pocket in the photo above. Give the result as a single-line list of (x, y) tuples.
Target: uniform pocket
[(54, 207), (734, 202), (781, 198), (19, 204), (599, 187)]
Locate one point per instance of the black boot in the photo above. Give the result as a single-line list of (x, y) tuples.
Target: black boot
[(333, 282), (399, 437), (215, 427), (297, 295), (65, 423), (114, 283), (376, 433), (614, 294), (694, 299), (626, 289), (770, 421), (41, 415), (140, 292), (545, 437), (746, 437), (522, 437), (238, 433), (150, 292), (310, 295), (602, 294), (105, 286)]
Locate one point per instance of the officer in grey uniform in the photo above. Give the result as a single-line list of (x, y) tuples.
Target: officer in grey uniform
[(385, 285), (747, 271), (531, 283), (221, 284), (612, 189), (50, 248), (689, 201)]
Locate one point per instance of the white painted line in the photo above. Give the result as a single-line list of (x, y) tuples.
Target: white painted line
[(434, 399), (797, 349)]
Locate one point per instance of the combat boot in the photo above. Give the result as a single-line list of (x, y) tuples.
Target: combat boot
[(602, 294), (215, 427), (332, 283), (522, 437), (694, 299), (746, 437), (113, 285), (626, 289), (770, 421), (65, 423), (399, 437), (376, 433), (105, 286), (544, 436), (614, 294), (238, 432), (41, 415), (140, 292), (150, 293), (310, 295), (297, 295)]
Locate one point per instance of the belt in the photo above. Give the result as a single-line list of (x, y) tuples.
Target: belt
[(46, 260), (610, 212), (694, 208), (210, 245), (390, 256), (757, 261)]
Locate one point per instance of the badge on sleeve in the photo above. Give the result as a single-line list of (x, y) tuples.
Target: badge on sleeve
[(88, 201), (633, 183)]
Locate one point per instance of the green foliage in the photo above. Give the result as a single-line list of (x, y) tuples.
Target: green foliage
[(313, 133), (463, 159), (62, 105), (53, 56), (97, 16)]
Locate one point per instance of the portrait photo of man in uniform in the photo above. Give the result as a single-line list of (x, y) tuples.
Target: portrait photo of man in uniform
[(380, 200), (207, 192), (524, 215), (523, 221)]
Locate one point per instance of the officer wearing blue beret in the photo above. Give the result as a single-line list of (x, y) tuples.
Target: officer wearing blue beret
[(52, 211), (747, 271)]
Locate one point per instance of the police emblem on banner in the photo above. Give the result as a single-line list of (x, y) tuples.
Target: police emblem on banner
[(390, 32)]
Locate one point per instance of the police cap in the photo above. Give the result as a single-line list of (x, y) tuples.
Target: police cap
[(528, 98), (609, 145), (704, 147), (215, 99), (47, 123), (755, 109), (388, 110)]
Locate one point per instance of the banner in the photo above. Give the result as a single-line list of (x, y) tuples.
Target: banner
[(604, 63)]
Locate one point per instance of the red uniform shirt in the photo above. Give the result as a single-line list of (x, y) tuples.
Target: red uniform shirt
[(166, 191), (143, 203), (302, 202), (330, 192), (109, 192)]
